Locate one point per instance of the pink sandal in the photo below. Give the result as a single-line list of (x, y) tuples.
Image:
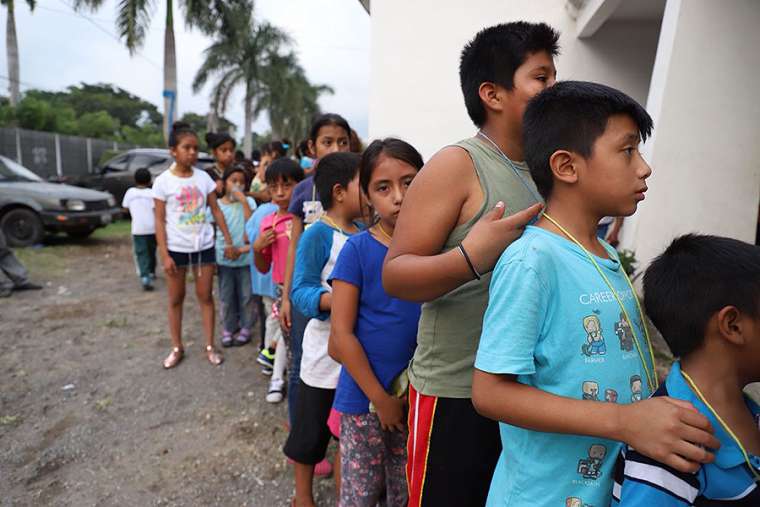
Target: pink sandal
[(214, 357), (174, 357)]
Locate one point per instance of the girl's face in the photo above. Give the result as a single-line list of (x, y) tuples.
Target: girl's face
[(266, 159), (185, 153), (225, 154), (281, 192), (390, 180), (330, 138), (235, 182)]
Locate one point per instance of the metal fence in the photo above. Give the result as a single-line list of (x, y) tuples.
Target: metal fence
[(52, 155)]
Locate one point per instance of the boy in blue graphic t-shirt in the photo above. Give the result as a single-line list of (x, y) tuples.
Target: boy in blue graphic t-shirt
[(559, 302), (703, 294)]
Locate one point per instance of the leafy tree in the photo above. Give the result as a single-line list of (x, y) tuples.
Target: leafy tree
[(11, 41)]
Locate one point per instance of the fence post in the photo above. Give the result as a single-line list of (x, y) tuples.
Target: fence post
[(88, 143), (58, 162), (19, 158), (115, 146)]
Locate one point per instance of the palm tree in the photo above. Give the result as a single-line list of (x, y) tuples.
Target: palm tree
[(243, 56), (11, 46), (133, 21)]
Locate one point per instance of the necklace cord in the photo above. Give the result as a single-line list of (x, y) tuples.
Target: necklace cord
[(652, 382), (723, 423)]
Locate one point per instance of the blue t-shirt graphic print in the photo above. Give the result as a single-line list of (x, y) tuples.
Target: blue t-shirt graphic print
[(554, 323)]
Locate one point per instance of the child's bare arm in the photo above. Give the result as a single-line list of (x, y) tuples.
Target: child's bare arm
[(345, 348), (667, 430), (444, 194)]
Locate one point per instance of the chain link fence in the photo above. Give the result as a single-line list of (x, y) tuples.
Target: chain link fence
[(56, 156)]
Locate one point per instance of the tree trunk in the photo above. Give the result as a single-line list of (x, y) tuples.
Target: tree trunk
[(11, 44), (211, 120), (170, 72), (247, 122)]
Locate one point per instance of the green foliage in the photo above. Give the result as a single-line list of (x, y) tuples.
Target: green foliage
[(628, 261), (100, 125)]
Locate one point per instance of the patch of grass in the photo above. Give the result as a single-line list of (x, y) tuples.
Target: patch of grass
[(103, 404), (10, 420), (118, 229), (42, 262)]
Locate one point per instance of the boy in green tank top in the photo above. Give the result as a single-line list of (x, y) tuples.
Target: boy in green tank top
[(468, 204)]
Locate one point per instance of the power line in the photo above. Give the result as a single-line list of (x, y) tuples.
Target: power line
[(107, 32)]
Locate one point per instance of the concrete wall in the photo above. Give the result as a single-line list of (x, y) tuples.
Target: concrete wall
[(414, 89), (705, 152)]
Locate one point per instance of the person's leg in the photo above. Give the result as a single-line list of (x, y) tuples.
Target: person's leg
[(175, 285), (259, 303), (246, 309), (152, 245), (203, 290), (142, 256), (226, 300), (397, 493), (362, 470), (10, 265), (453, 451), (298, 325)]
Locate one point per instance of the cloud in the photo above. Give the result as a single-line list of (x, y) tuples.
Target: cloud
[(59, 48)]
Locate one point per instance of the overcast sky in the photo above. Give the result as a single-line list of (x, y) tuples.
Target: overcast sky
[(59, 48)]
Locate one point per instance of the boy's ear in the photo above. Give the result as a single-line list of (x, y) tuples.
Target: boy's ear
[(731, 325), (338, 193), (564, 166), (490, 95)]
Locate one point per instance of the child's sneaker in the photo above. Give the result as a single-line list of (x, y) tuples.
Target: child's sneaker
[(146, 283), (266, 370), (266, 358), (275, 394)]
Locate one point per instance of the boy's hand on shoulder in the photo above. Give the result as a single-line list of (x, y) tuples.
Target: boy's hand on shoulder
[(670, 431), (493, 233)]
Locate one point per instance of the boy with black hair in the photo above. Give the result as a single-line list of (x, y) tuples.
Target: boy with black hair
[(461, 196), (139, 202), (703, 294), (556, 297), (337, 184)]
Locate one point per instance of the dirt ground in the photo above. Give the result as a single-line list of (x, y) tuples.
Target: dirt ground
[(89, 417)]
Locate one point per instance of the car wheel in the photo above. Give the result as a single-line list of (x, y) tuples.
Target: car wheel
[(80, 233), (22, 227)]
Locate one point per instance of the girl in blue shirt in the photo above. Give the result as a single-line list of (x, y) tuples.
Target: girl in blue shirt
[(374, 336)]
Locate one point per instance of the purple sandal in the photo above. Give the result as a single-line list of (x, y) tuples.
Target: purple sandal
[(227, 339), (243, 338)]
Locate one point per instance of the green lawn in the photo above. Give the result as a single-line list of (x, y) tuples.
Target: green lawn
[(118, 229)]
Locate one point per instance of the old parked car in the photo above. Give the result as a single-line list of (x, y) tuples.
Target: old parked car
[(118, 173), (30, 206)]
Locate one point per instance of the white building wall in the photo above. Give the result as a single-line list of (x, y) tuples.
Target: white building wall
[(705, 152), (414, 90)]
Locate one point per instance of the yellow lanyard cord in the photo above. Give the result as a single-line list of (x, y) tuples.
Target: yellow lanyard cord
[(652, 382), (382, 231), (722, 423), (329, 221)]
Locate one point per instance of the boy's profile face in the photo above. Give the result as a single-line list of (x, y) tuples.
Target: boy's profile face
[(281, 191), (535, 74), (613, 179), (349, 198)]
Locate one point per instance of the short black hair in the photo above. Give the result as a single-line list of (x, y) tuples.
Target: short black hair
[(325, 120), (694, 278), (335, 169), (142, 176), (391, 147), (283, 169), (234, 168), (571, 115), (180, 129), (495, 53), (216, 139), (275, 148)]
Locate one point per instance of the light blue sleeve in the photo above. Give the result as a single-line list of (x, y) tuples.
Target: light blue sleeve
[(517, 307), (312, 254)]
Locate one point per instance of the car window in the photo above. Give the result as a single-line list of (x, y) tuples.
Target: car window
[(10, 170), (145, 161), (116, 164)]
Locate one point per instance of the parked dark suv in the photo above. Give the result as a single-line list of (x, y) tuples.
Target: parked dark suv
[(118, 174), (30, 206)]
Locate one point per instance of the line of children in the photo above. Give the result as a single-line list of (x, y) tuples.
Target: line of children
[(337, 183), (139, 201), (270, 254), (235, 294), (373, 335)]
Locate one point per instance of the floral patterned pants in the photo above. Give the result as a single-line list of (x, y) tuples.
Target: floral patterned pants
[(373, 462)]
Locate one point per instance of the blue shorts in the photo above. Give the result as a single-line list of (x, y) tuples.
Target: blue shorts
[(185, 259)]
